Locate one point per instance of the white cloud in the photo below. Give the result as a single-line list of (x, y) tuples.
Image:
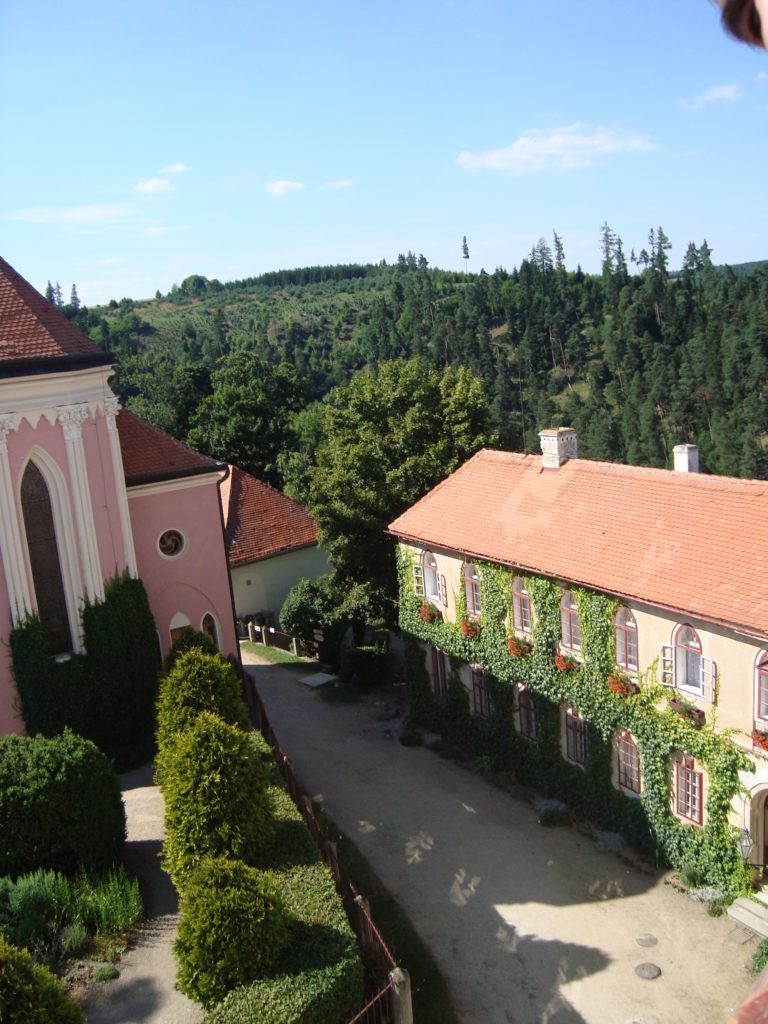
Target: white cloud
[(155, 229), (283, 188), (561, 149), (178, 168), (761, 76), (341, 183), (153, 185), (717, 94), (76, 216)]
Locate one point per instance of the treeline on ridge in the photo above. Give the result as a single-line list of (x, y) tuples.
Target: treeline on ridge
[(636, 360)]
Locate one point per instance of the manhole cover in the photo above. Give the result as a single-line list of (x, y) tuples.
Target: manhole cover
[(647, 940), (647, 971)]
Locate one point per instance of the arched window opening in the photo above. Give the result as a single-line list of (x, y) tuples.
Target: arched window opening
[(472, 589), (570, 627), (44, 560), (626, 639), (521, 606), (209, 627), (762, 686), (688, 659), (431, 578)]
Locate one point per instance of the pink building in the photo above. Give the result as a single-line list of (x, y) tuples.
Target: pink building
[(87, 491)]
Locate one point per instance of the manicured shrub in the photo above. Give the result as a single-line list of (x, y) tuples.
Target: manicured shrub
[(29, 993), (60, 805), (319, 979), (232, 929), (123, 660), (188, 640), (198, 681), (216, 802), (108, 694)]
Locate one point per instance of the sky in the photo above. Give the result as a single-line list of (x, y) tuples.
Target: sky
[(144, 142)]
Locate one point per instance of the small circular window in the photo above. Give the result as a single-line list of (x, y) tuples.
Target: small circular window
[(171, 543)]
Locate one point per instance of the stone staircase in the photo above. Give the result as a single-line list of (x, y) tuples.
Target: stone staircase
[(752, 913)]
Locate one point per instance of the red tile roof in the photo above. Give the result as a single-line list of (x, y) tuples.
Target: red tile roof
[(687, 542), (260, 521), (34, 331), (150, 455)]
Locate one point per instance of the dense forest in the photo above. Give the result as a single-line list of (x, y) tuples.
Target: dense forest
[(358, 388), (636, 361)]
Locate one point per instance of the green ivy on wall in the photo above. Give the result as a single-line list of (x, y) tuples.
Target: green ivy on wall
[(709, 852)]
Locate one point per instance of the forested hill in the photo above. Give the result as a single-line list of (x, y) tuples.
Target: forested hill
[(637, 358)]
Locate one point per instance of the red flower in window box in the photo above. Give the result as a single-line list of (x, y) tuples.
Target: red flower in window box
[(469, 627), (760, 740), (620, 684), (518, 647), (428, 613), (565, 664)]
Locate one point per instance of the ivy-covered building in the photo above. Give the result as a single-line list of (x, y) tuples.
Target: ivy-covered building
[(89, 493), (601, 631)]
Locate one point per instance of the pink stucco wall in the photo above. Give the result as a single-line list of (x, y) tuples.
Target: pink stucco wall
[(195, 582), (10, 719)]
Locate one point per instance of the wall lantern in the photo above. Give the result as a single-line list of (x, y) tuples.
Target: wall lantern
[(745, 844)]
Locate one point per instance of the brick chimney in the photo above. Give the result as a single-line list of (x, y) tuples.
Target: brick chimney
[(558, 444), (686, 458)]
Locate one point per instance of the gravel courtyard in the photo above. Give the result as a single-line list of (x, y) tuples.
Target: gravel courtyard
[(529, 925)]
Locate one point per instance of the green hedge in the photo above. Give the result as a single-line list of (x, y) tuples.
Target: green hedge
[(30, 994), (319, 980), (232, 929), (188, 640), (216, 804), (107, 694), (60, 805), (198, 681)]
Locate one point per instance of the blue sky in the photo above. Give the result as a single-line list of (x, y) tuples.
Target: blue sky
[(144, 142)]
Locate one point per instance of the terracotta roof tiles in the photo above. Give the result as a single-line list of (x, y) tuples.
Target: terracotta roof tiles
[(151, 455), (33, 330), (260, 521), (690, 542)]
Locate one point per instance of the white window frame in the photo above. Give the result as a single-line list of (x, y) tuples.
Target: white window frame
[(521, 601), (571, 613), (575, 738), (627, 770), (690, 784), (621, 627), (761, 664), (669, 674)]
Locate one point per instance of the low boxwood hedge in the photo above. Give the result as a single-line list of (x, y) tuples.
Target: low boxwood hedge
[(232, 928), (319, 980), (30, 994), (60, 805)]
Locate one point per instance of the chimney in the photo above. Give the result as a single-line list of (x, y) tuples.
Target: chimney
[(558, 444), (686, 458)]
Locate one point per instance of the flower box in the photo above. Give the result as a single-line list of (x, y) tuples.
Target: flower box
[(760, 741), (517, 647), (470, 627), (428, 613), (621, 685), (687, 710), (565, 664)]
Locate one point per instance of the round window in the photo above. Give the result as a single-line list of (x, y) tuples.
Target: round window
[(171, 543)]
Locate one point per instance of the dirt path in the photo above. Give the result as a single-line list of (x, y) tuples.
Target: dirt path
[(145, 992), (529, 925)]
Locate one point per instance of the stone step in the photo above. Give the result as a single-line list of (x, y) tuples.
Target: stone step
[(751, 914), (761, 895)]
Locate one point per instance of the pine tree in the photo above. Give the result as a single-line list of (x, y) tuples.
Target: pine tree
[(58, 300), (73, 298), (50, 295)]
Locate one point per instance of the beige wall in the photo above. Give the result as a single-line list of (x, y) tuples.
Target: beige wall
[(264, 585), (735, 655)]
